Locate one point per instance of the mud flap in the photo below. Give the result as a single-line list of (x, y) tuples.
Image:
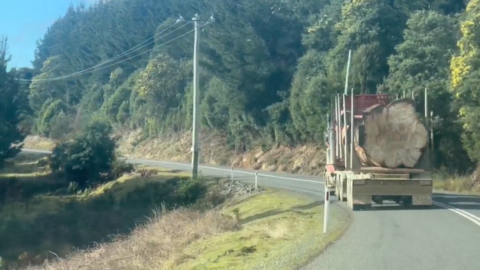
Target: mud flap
[(362, 200), (421, 200)]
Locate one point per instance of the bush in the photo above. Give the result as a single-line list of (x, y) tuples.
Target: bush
[(190, 191), (60, 125), (120, 167), (86, 158)]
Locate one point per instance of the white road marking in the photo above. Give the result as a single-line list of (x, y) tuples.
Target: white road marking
[(229, 170), (465, 214), (454, 196), (464, 203)]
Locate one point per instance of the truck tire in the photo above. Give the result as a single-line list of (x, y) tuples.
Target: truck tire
[(343, 191)]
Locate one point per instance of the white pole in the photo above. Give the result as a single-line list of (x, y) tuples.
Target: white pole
[(256, 180), (344, 107), (352, 120), (196, 101), (231, 174), (345, 145), (338, 133), (326, 206), (348, 71), (335, 123)]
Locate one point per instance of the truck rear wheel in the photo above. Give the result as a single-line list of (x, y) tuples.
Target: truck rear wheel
[(407, 201), (343, 190)]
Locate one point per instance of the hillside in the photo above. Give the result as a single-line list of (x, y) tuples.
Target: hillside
[(267, 72), (154, 218), (305, 159)]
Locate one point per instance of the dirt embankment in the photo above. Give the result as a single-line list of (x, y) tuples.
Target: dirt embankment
[(305, 159), (308, 159)]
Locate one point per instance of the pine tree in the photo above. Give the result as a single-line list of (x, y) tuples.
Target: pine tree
[(11, 102)]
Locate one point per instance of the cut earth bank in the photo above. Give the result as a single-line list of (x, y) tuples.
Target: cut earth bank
[(305, 159)]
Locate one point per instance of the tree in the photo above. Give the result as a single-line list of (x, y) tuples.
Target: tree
[(11, 104), (465, 70), (84, 159), (422, 61), (268, 68)]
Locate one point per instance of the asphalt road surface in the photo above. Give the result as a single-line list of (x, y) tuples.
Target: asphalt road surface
[(446, 237)]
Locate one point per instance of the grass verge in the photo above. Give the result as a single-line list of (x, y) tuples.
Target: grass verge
[(269, 230), (457, 184), (279, 230), (41, 218)]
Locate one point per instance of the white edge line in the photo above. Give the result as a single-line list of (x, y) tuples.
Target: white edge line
[(206, 167), (460, 212), (457, 209)]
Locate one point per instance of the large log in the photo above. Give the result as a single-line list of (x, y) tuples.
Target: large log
[(394, 136)]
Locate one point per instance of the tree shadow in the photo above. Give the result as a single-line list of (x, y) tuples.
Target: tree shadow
[(270, 213), (460, 201)]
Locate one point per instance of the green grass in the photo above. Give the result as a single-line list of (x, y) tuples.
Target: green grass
[(273, 224), (53, 220), (246, 232)]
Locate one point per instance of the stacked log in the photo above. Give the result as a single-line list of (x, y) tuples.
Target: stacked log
[(394, 135)]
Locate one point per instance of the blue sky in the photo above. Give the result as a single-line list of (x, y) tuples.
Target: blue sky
[(25, 21)]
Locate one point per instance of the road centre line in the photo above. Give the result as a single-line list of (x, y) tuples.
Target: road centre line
[(462, 213)]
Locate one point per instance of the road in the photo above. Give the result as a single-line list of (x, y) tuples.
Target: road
[(386, 238)]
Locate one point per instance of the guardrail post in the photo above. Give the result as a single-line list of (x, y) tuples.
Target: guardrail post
[(231, 174), (326, 206), (256, 180)]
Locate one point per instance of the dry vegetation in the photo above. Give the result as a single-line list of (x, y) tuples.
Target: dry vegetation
[(150, 246), (459, 184), (38, 143), (244, 234), (262, 230), (40, 212)]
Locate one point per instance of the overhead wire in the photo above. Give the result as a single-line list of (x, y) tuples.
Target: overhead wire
[(96, 67), (135, 48), (139, 45)]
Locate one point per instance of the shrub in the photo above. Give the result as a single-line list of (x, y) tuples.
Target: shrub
[(120, 166), (87, 157)]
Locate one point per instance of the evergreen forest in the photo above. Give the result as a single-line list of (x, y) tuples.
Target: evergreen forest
[(268, 68)]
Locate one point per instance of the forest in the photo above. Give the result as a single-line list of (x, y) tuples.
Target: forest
[(268, 68)]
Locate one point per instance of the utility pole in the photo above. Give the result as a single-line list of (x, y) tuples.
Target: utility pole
[(196, 101), (196, 97), (348, 71)]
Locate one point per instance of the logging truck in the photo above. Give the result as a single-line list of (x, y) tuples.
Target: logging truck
[(378, 150)]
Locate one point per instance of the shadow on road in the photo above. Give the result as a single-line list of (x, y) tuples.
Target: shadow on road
[(464, 202), (459, 201)]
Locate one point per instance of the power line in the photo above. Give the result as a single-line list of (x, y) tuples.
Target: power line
[(94, 68), (165, 43), (135, 48), (138, 46)]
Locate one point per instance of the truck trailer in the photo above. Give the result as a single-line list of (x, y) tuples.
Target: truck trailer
[(378, 150)]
